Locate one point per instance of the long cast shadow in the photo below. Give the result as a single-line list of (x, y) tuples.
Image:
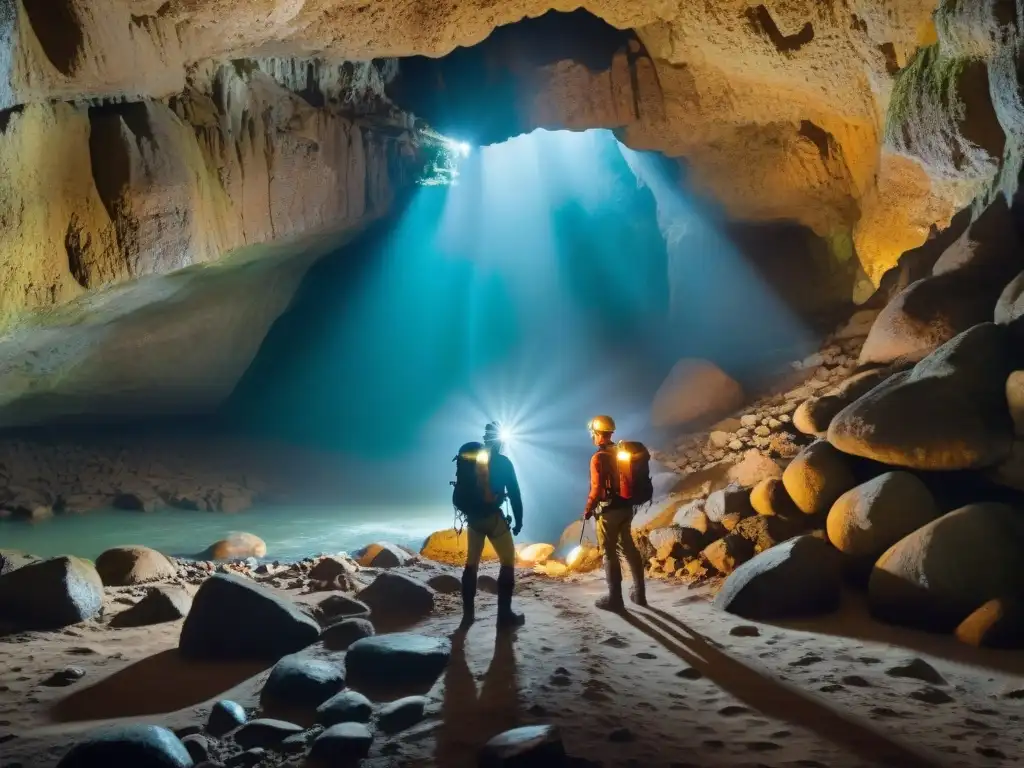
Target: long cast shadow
[(774, 697), (163, 682), (469, 719)]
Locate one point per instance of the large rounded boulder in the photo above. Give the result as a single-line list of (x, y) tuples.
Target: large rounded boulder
[(233, 618), (938, 575), (451, 546), (817, 477), (867, 520), (138, 746), (237, 546), (771, 499), (51, 594), (394, 594), (949, 412), (1011, 301), (799, 577), (126, 566), (814, 415), (962, 291), (694, 390), (400, 658)]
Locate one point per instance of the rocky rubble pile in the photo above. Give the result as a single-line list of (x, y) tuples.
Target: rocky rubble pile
[(40, 478), (911, 480), (767, 425)]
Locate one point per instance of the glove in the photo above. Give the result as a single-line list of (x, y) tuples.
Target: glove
[(517, 529), (588, 514)]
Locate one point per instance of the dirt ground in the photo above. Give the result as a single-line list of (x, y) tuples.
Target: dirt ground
[(678, 684)]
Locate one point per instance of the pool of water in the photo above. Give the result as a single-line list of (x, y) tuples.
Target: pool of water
[(290, 533)]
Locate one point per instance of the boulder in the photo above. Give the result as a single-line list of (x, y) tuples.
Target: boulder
[(301, 683), (693, 516), (340, 636), (198, 747), (401, 714), (938, 575), (728, 553), (160, 604), (51, 594), (867, 520), (382, 555), (531, 746), (799, 577), (12, 559), (450, 546), (962, 291), (487, 583), (398, 658), (225, 716), (815, 414), (265, 732), (233, 618), (1009, 473), (335, 607), (445, 584), (1010, 305), (533, 554), (345, 707), (138, 746), (770, 498), (689, 538), (397, 594), (342, 744), (999, 623), (818, 476), (728, 506), (765, 531), (330, 568), (126, 566), (237, 546), (695, 390), (949, 412)]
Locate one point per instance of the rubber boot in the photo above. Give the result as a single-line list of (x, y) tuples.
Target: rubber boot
[(613, 600), (506, 586), (468, 595)]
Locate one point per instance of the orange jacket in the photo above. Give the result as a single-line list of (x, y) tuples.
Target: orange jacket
[(601, 476)]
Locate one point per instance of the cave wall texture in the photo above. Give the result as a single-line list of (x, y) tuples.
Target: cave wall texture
[(138, 137)]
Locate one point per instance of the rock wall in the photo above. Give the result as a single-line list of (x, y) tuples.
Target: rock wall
[(97, 193), (777, 108)]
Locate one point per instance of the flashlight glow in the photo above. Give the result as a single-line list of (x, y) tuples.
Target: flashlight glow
[(483, 457), (623, 455), (506, 435), (463, 148), (573, 556)]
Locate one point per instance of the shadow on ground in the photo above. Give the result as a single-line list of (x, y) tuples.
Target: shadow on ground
[(853, 620), (161, 683), (471, 717), (774, 697)]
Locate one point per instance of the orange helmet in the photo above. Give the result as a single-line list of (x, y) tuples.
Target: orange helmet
[(602, 424)]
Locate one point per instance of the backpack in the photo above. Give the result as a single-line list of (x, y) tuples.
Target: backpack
[(472, 495), (631, 472)]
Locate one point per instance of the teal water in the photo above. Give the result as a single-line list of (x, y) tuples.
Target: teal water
[(291, 533)]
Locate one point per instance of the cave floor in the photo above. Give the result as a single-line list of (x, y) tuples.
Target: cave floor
[(677, 684)]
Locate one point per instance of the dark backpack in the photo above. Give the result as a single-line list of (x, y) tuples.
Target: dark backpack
[(472, 495), (630, 472)]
